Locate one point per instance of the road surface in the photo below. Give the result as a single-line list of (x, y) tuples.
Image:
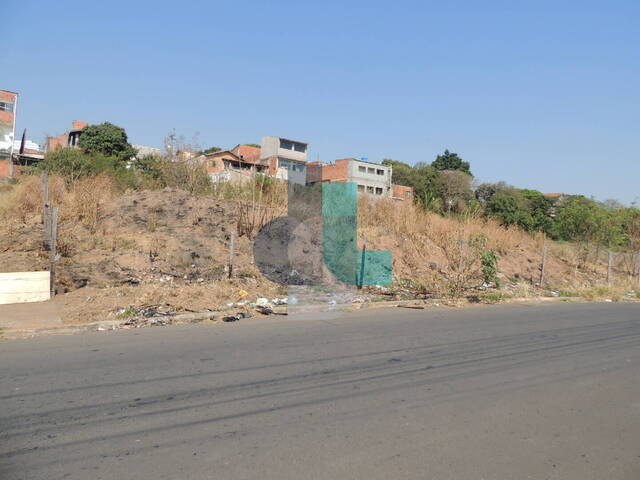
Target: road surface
[(502, 392)]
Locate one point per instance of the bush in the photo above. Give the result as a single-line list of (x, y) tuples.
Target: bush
[(155, 171), (510, 209), (489, 265), (73, 164)]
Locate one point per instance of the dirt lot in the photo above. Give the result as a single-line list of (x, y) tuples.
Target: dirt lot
[(155, 248), (168, 250)]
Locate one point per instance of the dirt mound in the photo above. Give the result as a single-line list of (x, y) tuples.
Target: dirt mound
[(151, 247)]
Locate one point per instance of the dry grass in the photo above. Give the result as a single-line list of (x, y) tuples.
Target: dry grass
[(429, 248), (258, 203), (82, 201), (78, 202), (437, 253), (623, 288), (431, 254)]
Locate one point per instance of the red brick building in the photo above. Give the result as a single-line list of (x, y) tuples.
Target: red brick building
[(401, 192), (318, 172), (8, 103), (67, 139)]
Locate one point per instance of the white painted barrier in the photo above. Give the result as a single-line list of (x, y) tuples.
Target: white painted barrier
[(23, 287)]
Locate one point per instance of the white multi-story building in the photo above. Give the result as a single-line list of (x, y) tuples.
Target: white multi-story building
[(284, 154)]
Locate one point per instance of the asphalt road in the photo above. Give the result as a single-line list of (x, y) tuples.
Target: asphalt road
[(505, 392)]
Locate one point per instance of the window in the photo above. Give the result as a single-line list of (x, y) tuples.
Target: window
[(361, 188), (362, 169), (298, 147), (286, 145), (380, 171), (369, 189), (294, 167), (6, 107), (371, 170), (378, 190)]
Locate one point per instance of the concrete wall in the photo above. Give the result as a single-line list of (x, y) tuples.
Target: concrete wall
[(22, 287), (296, 176), (231, 176)]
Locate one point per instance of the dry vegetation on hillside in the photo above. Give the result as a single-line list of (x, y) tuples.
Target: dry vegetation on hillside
[(170, 248)]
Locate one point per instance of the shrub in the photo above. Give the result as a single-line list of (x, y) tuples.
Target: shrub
[(73, 164), (489, 265)]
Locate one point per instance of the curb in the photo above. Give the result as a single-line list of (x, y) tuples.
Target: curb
[(187, 318)]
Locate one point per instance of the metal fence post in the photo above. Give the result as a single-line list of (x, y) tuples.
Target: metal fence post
[(53, 254), (544, 263), (232, 245)]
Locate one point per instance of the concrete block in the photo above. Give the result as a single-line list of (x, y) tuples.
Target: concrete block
[(24, 287)]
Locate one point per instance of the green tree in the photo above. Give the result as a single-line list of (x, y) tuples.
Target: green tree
[(401, 173), (486, 191), (631, 224), (423, 178), (510, 209), (577, 219), (454, 188), (451, 161), (540, 209), (427, 187), (106, 139)]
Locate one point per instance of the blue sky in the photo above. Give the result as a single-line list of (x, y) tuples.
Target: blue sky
[(541, 94)]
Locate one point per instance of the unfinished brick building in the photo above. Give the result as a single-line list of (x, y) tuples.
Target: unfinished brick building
[(236, 164), (8, 102), (67, 139), (371, 178)]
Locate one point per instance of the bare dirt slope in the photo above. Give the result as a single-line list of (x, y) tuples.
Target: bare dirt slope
[(148, 248), (169, 249)]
